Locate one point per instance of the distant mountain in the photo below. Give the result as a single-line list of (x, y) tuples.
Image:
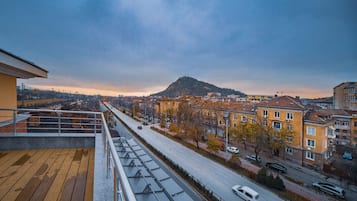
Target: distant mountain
[(188, 86)]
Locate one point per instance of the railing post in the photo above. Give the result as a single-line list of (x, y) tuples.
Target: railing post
[(115, 185), (59, 122), (108, 158), (14, 119), (95, 123)]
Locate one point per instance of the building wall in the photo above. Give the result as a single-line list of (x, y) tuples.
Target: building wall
[(21, 127), (320, 141), (237, 118), (296, 123), (345, 96), (354, 130), (8, 96), (343, 130)]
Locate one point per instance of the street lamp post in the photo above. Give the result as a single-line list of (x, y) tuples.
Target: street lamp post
[(225, 116)]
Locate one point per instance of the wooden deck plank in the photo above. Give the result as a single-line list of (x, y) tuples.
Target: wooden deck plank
[(90, 177), (50, 176), (12, 169), (17, 174), (80, 185), (10, 159), (11, 175), (6, 156), (57, 185), (35, 181), (27, 174), (70, 181)]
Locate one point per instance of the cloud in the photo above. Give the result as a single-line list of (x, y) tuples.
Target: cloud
[(140, 46)]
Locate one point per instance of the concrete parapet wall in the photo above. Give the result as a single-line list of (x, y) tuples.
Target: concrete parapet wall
[(45, 142)]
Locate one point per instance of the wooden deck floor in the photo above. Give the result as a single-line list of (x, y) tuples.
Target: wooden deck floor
[(49, 174)]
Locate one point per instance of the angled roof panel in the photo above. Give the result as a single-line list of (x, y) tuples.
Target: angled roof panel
[(13, 65)]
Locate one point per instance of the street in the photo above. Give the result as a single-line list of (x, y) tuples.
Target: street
[(216, 177)]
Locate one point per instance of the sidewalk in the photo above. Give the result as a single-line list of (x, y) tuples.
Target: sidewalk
[(312, 174), (291, 186)]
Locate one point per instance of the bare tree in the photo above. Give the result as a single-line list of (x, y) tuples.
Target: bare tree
[(213, 144)]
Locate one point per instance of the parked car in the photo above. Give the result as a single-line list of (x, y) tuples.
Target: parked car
[(140, 127), (245, 192), (330, 189), (233, 150), (252, 157), (347, 156), (276, 166)]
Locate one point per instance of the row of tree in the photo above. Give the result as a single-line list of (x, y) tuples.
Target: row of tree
[(189, 122)]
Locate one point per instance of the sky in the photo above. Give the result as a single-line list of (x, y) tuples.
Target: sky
[(132, 47)]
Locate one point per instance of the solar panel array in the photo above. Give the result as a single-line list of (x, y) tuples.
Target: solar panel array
[(148, 180)]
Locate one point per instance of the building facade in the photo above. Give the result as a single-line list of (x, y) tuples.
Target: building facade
[(285, 112), (318, 138), (345, 96)]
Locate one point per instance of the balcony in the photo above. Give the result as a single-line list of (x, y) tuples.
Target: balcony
[(58, 154), (342, 127)]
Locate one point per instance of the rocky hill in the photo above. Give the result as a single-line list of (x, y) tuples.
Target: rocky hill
[(188, 86)]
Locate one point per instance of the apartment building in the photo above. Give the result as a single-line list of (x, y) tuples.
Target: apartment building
[(342, 126), (345, 96), (242, 112), (285, 112), (258, 98), (318, 137)]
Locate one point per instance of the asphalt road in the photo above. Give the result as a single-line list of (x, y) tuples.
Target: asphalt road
[(216, 177), (124, 132)]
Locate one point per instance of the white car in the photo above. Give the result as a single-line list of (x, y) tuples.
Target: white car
[(252, 157), (245, 192), (330, 189), (233, 150)]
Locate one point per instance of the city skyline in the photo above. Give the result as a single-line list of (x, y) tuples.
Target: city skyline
[(112, 47)]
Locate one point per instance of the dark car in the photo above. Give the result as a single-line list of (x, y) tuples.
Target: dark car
[(140, 127), (276, 166)]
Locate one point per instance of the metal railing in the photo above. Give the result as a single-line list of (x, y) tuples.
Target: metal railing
[(122, 186), (21, 121), (14, 121)]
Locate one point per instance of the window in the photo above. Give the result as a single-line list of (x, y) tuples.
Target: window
[(220, 122), (253, 121), (355, 123), (265, 113), (244, 119), (264, 123), (337, 122), (289, 139), (277, 114), (235, 117), (289, 116), (325, 143), (310, 130), (235, 125), (345, 123), (289, 150), (310, 155), (276, 125), (310, 143), (290, 127), (248, 195)]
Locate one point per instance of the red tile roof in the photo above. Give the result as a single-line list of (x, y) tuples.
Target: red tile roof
[(283, 102)]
